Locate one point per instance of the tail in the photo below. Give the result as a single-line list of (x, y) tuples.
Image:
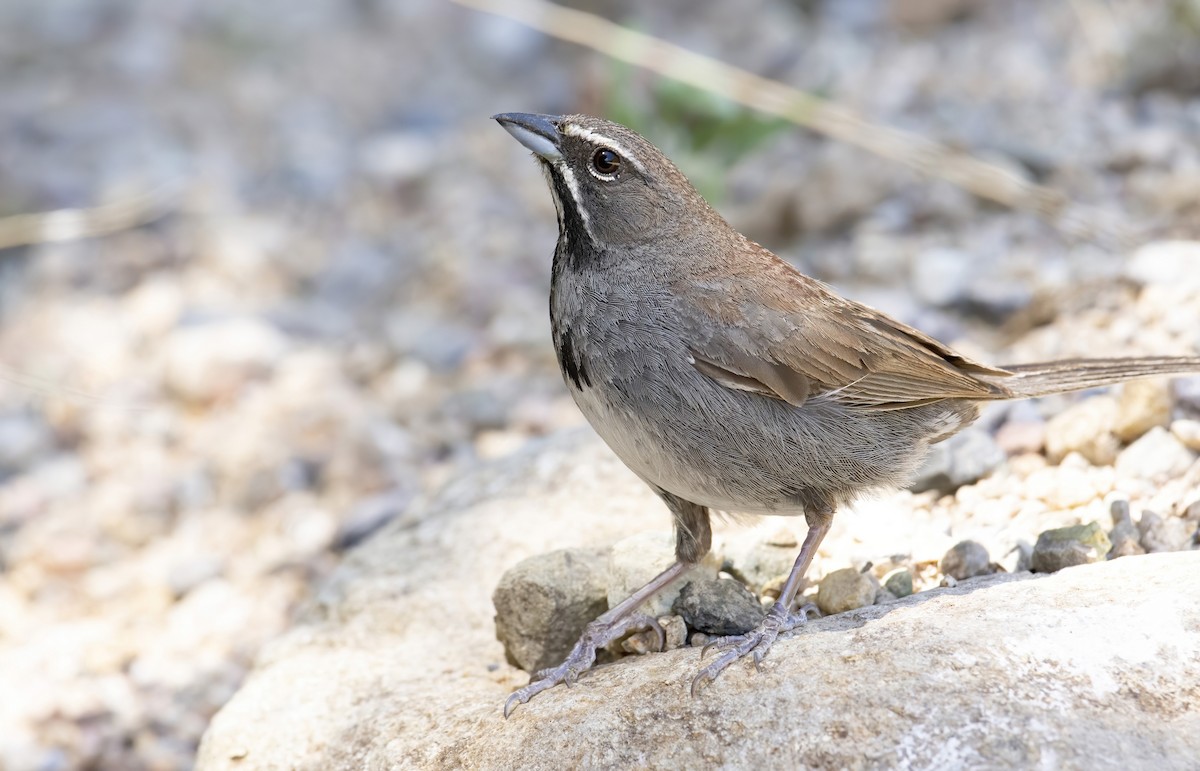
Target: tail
[(1056, 377)]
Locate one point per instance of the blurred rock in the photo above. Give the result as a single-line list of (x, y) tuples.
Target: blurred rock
[(756, 564), (966, 559), (1169, 263), (846, 589), (1143, 405), (930, 13), (1016, 437), (719, 607), (843, 185), (1187, 395), (1157, 456), (543, 604), (940, 276), (24, 439), (962, 459), (1160, 534), (1066, 547), (206, 362), (1085, 428), (899, 582), (1124, 535), (1188, 433)]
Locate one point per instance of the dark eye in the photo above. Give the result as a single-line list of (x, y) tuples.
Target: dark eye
[(606, 161)]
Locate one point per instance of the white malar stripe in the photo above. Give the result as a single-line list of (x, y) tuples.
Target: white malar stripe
[(587, 135), (558, 206), (569, 177)]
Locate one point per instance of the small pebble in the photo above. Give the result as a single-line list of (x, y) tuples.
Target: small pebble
[(646, 641), (1024, 557), (846, 589), (899, 582), (966, 559), (1124, 536), (1067, 546)]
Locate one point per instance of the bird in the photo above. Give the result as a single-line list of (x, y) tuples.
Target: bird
[(729, 381)]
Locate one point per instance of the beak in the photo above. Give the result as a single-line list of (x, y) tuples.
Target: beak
[(537, 132)]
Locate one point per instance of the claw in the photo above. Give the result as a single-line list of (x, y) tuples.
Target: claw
[(756, 643), (581, 657)]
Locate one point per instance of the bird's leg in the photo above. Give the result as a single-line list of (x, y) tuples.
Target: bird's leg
[(693, 539), (608, 627), (780, 619)]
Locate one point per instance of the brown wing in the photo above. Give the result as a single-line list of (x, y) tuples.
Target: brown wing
[(782, 334)]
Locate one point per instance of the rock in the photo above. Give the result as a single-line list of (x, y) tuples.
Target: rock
[(899, 582), (843, 184), (719, 607), (1188, 433), (1187, 395), (962, 459), (940, 277), (1156, 457), (1167, 263), (544, 602), (186, 575), (846, 589), (24, 438), (646, 641), (1065, 547), (1159, 534), (1143, 405), (758, 564), (635, 560), (1192, 512), (313, 691), (1124, 535), (1085, 428), (928, 14), (208, 361), (966, 559), (1023, 562), (1021, 436)]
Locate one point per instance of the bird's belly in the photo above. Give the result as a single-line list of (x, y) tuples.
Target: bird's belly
[(745, 453)]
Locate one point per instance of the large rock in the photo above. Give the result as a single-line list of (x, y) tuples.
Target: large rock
[(396, 665)]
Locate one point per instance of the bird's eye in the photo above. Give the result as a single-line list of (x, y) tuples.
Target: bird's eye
[(606, 161)]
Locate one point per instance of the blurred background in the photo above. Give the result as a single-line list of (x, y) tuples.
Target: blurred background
[(321, 289)]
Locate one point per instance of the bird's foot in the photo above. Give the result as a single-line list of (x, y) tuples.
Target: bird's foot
[(756, 642), (595, 636)]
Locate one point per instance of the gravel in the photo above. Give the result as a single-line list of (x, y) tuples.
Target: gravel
[(343, 304)]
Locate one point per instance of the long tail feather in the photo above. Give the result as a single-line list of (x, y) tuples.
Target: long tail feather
[(1077, 374)]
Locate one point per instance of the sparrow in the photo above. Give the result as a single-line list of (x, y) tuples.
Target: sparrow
[(729, 381)]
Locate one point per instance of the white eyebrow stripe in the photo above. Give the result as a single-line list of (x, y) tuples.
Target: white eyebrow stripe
[(579, 132)]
